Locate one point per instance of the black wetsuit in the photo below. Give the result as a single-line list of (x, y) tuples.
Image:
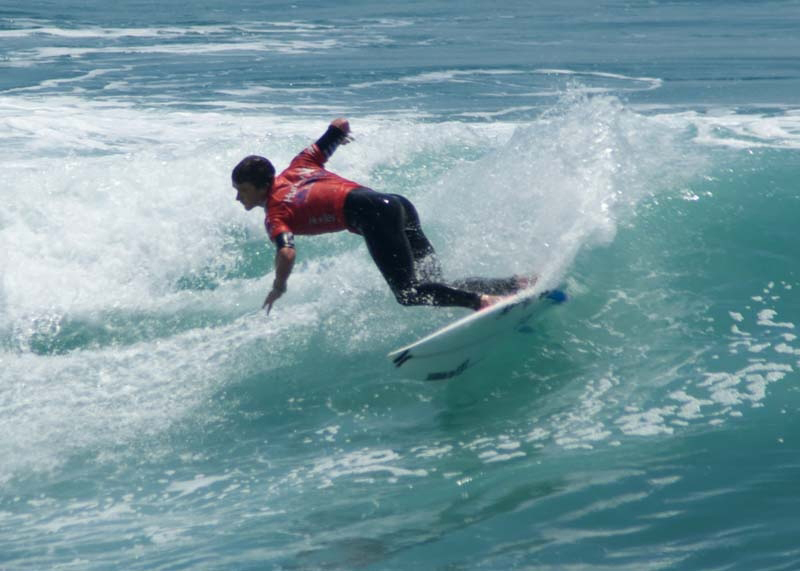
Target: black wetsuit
[(390, 226)]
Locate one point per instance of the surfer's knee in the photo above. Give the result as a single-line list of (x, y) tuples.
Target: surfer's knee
[(405, 297)]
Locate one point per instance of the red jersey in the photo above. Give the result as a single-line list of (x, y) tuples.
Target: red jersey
[(306, 198)]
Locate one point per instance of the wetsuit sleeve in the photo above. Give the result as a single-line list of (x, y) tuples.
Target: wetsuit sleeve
[(317, 155), (330, 141)]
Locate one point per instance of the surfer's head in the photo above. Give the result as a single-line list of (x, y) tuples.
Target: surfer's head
[(253, 178)]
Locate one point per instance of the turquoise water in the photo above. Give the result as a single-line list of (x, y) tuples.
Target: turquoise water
[(644, 154)]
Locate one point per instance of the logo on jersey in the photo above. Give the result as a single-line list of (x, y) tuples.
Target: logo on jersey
[(322, 219), (298, 193)]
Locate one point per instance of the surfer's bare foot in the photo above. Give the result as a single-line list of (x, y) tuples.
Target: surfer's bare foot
[(489, 300), (524, 282)]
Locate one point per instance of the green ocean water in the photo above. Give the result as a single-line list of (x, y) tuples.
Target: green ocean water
[(644, 155)]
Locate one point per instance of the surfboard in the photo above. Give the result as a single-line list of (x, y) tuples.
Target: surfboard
[(453, 349)]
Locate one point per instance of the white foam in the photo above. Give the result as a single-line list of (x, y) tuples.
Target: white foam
[(284, 38), (758, 347), (362, 462), (95, 32), (765, 319), (97, 399), (199, 482), (726, 388), (443, 76), (620, 83), (559, 184), (650, 83), (583, 425), (786, 349), (648, 423), (432, 451), (778, 129), (724, 394), (691, 407), (492, 456), (111, 206), (86, 513), (736, 331), (138, 198), (255, 28), (285, 47)]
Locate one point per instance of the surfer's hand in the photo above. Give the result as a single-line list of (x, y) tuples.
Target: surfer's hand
[(344, 126), (272, 297), (284, 260)]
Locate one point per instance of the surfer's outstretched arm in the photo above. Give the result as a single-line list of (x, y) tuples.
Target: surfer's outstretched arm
[(284, 261), (338, 133)]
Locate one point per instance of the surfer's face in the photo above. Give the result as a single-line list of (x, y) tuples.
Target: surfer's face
[(250, 196)]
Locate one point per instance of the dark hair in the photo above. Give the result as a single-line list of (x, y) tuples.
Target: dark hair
[(254, 169)]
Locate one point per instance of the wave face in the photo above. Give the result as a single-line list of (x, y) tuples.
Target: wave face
[(152, 417)]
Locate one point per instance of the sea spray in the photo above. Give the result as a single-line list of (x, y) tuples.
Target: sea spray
[(562, 182)]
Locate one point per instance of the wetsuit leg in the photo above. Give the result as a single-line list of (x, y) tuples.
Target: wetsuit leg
[(426, 262), (382, 220), (492, 286)]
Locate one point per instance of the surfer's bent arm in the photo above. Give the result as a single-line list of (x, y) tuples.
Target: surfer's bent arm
[(338, 133), (284, 261)]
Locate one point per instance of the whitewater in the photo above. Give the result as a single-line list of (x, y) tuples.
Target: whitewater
[(153, 417)]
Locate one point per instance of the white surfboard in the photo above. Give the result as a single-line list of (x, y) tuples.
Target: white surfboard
[(450, 351)]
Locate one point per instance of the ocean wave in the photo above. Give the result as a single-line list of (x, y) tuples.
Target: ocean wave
[(150, 241)]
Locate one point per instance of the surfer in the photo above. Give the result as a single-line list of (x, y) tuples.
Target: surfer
[(307, 199)]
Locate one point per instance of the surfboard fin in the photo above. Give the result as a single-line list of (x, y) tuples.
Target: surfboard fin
[(554, 295)]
